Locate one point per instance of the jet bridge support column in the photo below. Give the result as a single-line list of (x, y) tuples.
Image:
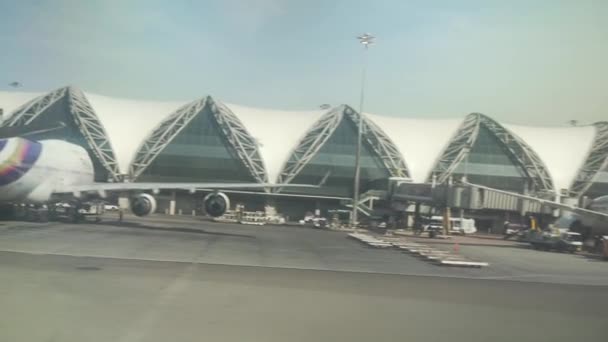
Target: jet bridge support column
[(447, 212), (417, 223), (172, 204), (123, 201)]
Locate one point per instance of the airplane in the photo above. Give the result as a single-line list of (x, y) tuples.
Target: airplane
[(47, 171), (595, 216)]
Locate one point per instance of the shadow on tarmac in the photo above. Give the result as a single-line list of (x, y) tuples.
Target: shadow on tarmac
[(593, 257), (136, 225)]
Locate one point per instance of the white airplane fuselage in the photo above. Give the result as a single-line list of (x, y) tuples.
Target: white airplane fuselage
[(38, 172), (31, 171)]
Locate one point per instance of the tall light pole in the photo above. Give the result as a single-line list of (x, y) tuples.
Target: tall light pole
[(366, 40)]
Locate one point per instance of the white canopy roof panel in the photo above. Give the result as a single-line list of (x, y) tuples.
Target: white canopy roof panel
[(277, 132), (419, 140), (129, 122), (562, 149)]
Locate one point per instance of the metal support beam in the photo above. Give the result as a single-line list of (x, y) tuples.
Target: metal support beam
[(460, 146), (457, 149), (242, 141), (322, 130), (162, 135), (84, 118), (596, 161), (232, 128), (93, 131), (534, 168), (381, 144), (312, 142), (30, 111)]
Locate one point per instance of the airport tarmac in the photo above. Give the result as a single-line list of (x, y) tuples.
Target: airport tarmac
[(188, 239), (159, 278)]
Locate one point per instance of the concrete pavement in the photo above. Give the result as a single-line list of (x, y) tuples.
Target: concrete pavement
[(189, 280), (67, 298), (192, 240)]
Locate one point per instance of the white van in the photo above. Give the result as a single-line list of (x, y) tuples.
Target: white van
[(457, 225)]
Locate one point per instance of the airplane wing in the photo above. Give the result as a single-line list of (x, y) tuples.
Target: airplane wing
[(552, 204), (192, 187)]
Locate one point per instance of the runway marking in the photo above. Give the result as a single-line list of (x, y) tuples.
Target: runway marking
[(515, 277)]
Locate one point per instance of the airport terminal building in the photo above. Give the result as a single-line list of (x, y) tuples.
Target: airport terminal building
[(207, 140)]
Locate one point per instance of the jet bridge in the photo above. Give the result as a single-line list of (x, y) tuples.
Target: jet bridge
[(460, 196)]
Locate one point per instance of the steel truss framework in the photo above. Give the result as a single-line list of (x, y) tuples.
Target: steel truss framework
[(84, 117), (461, 143), (312, 142), (381, 144), (232, 128), (25, 114), (596, 161), (320, 132), (245, 145)]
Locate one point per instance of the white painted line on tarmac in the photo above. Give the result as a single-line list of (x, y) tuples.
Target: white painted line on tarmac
[(464, 263), (429, 253)]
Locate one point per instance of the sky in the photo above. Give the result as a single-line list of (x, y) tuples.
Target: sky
[(526, 62)]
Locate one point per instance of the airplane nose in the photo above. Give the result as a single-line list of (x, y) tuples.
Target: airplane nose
[(17, 157)]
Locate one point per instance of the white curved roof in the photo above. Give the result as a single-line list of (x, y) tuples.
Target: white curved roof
[(562, 149), (277, 132), (11, 100), (129, 122), (420, 141)]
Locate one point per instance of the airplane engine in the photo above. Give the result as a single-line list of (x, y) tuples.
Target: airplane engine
[(216, 204), (143, 204)]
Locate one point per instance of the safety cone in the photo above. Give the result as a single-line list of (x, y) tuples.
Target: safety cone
[(456, 248)]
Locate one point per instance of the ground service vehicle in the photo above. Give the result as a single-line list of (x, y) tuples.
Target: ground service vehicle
[(458, 225), (563, 241)]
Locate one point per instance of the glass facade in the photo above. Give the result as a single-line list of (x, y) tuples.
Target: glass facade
[(337, 156), (59, 111), (199, 153), (600, 185), (489, 164)]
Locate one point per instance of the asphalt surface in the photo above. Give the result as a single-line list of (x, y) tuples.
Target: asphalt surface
[(161, 279)]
